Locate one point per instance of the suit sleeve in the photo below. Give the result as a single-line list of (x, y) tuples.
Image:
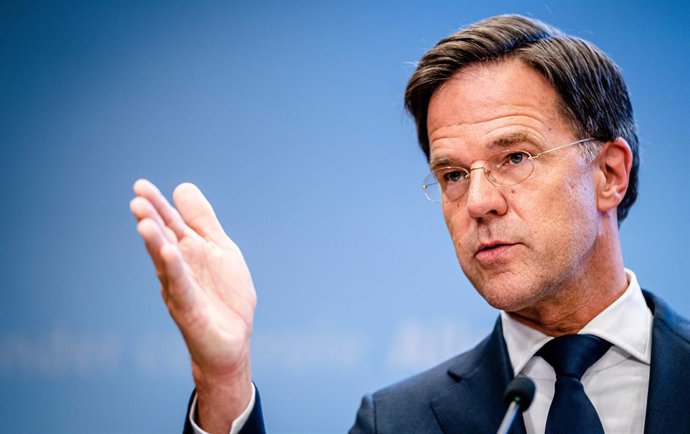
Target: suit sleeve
[(253, 425), (366, 417)]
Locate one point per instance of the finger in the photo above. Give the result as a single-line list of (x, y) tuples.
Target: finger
[(179, 290), (198, 213), (170, 216), (169, 265), (142, 209), (154, 240)]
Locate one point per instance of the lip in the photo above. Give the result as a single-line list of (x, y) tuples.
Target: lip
[(494, 251)]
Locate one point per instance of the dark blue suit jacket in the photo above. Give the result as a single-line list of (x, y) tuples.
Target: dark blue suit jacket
[(465, 394)]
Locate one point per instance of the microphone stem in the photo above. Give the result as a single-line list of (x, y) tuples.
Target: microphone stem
[(508, 418)]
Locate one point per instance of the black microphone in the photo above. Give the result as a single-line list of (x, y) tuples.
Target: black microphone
[(518, 396)]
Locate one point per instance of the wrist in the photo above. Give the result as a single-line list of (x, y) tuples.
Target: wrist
[(221, 398)]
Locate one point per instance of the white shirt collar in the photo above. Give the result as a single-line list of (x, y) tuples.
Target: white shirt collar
[(626, 323)]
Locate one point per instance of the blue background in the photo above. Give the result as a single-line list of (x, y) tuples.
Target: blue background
[(289, 116)]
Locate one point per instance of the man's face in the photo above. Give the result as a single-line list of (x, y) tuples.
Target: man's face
[(523, 244)]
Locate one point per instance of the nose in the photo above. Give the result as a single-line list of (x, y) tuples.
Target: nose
[(483, 199)]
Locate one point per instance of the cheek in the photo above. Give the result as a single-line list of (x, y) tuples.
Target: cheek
[(580, 198), (450, 217), (568, 217), (456, 224)]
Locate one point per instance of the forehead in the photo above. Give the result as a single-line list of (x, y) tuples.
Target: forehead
[(484, 104)]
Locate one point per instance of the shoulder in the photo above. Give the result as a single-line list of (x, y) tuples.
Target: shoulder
[(406, 405), (668, 319), (437, 378)]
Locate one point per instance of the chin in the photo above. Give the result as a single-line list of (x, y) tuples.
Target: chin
[(507, 297), (508, 304)]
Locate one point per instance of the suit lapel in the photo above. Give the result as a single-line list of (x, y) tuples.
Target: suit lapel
[(669, 382), (474, 402)]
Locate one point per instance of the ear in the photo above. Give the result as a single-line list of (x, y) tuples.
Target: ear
[(614, 162)]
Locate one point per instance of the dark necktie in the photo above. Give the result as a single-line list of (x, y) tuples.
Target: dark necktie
[(571, 410)]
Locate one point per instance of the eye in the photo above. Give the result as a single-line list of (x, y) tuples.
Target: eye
[(453, 175), (508, 160), (516, 157)]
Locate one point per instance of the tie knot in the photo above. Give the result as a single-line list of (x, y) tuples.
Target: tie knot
[(572, 355)]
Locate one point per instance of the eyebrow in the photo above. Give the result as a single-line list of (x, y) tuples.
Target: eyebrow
[(440, 161), (503, 142), (510, 140)]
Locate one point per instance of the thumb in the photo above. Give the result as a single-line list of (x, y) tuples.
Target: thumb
[(198, 213)]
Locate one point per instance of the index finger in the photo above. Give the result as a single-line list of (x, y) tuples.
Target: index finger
[(170, 216)]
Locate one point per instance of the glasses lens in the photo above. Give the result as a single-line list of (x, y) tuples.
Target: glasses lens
[(509, 167), (446, 185), (431, 188)]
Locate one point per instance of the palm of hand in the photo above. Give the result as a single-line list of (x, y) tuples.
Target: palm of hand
[(205, 282), (216, 318)]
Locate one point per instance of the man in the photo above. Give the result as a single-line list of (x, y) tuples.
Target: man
[(533, 152)]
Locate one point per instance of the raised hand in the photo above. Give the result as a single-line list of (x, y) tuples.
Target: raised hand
[(209, 293)]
